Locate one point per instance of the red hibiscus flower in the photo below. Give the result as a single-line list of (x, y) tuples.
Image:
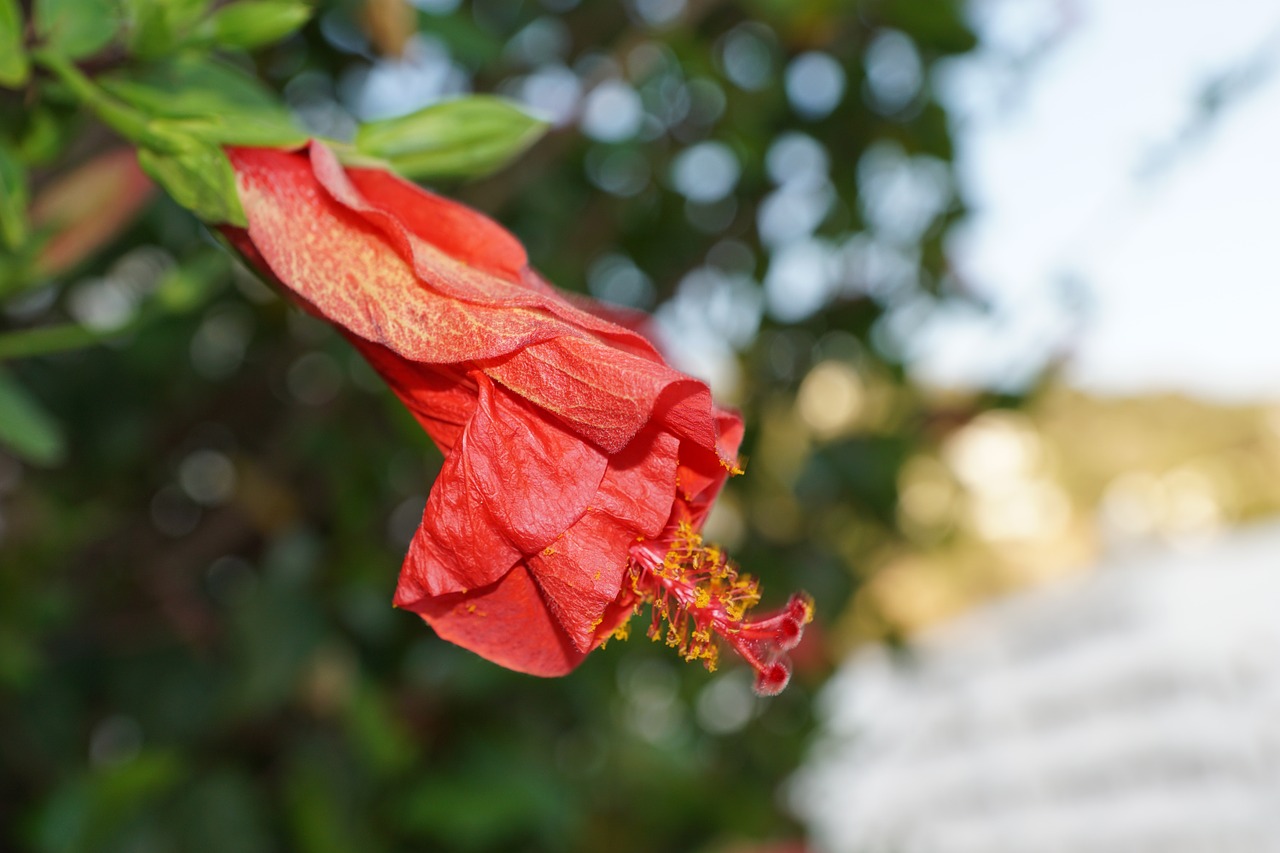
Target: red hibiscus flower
[(579, 467)]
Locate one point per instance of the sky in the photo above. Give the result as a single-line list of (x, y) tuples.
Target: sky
[(1115, 221)]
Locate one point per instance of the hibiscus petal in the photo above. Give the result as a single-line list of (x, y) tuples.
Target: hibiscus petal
[(442, 399), (606, 395), (638, 487), (344, 268), (506, 622), (516, 479), (729, 429), (581, 572), (457, 250), (453, 228)]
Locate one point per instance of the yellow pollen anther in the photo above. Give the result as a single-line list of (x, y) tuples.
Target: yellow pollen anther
[(698, 600), (696, 591)]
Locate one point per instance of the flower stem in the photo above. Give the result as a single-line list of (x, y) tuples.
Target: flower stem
[(50, 339), (123, 119)]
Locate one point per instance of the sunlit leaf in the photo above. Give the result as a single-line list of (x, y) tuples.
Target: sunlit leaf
[(207, 99), (464, 137), (158, 27), (14, 68), (76, 28), (254, 23)]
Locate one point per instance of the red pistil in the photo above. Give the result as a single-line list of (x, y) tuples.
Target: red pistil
[(699, 593)]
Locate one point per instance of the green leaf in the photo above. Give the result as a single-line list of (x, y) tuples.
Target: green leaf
[(13, 200), (126, 121), (158, 27), (86, 812), (76, 28), (14, 68), (464, 137), (188, 87), (254, 23), (198, 176), (47, 339), (26, 428), (206, 99)]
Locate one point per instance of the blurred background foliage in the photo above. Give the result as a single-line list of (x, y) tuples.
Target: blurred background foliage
[(202, 514)]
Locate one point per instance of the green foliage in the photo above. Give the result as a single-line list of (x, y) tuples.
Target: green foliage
[(206, 99), (462, 137), (74, 29), (861, 473), (158, 28), (47, 339), (26, 428), (250, 24), (13, 200), (189, 285), (42, 136), (181, 112), (93, 813), (14, 68)]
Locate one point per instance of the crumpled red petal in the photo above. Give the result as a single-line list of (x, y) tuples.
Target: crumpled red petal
[(515, 480), (506, 622), (339, 264), (581, 572)]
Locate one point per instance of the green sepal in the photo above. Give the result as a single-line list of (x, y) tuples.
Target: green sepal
[(198, 176), (13, 200), (26, 428), (251, 130), (464, 137), (250, 24), (15, 70), (74, 29), (207, 99)]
